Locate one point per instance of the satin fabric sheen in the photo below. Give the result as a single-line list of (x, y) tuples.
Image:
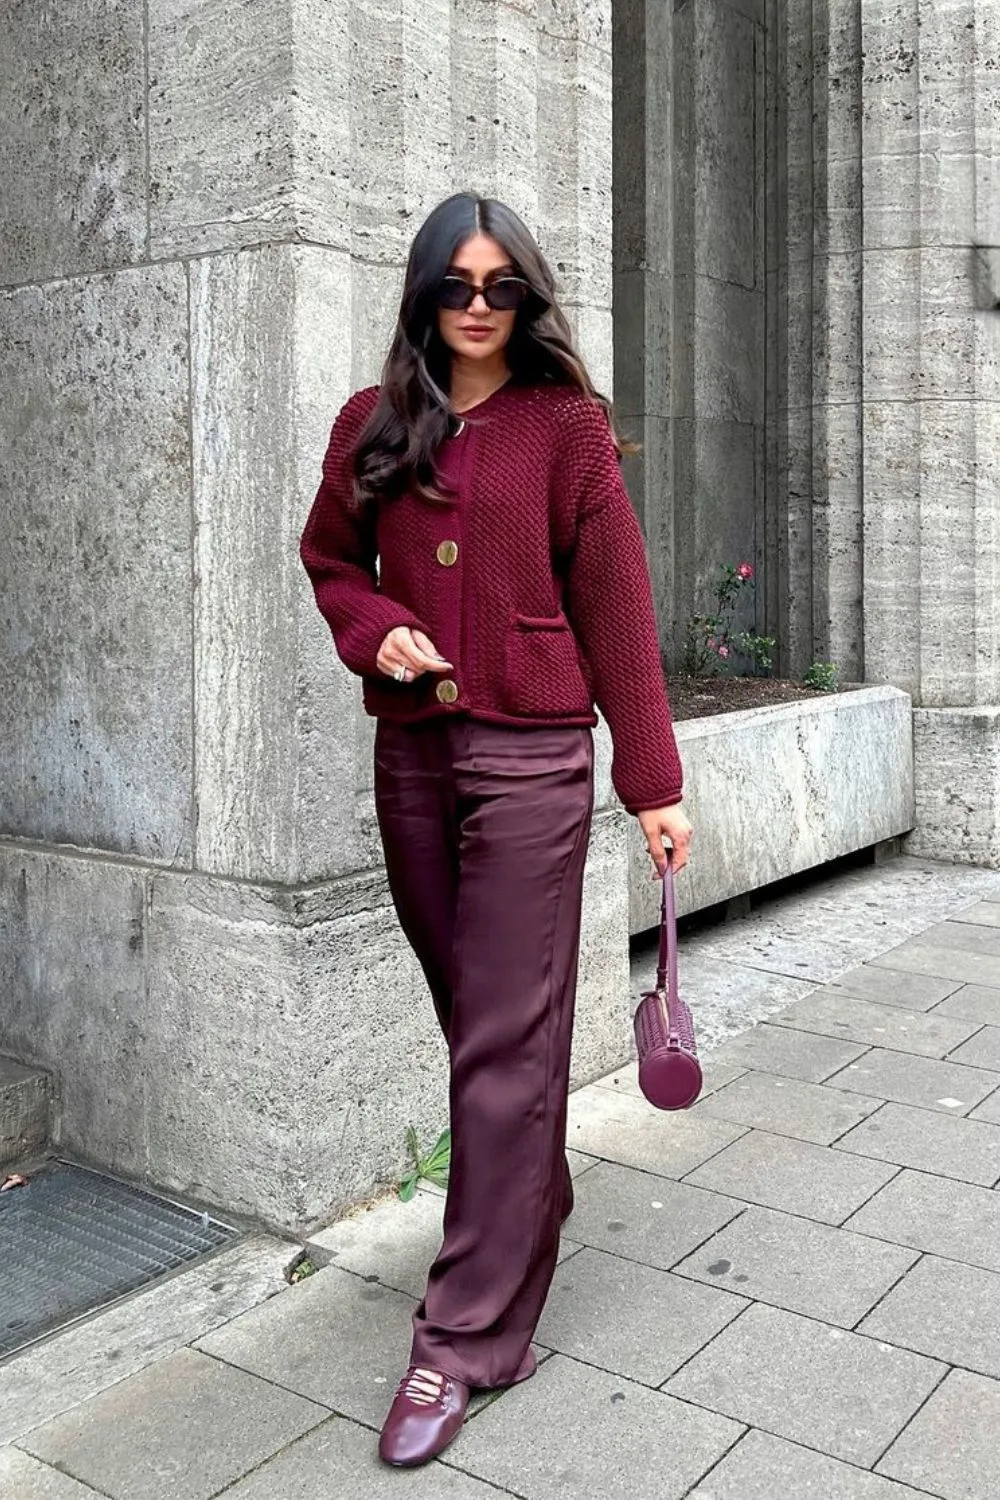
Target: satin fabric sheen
[(485, 830)]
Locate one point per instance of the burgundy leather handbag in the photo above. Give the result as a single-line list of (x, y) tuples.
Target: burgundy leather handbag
[(669, 1070)]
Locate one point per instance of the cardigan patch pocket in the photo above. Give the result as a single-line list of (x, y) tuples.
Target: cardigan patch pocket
[(544, 675)]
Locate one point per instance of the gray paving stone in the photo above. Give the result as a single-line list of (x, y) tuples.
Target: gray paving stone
[(577, 1431), (966, 937), (988, 1111), (885, 987), (927, 1081), (949, 1311), (394, 1241), (630, 1319), (808, 1111), (950, 1448), (919, 957), (973, 1002), (937, 1215), (25, 1478), (762, 1467), (952, 1147), (981, 1050), (334, 1338), (843, 1394), (618, 1127), (792, 1054), (930, 1035), (797, 1176), (644, 1217), (339, 1460), (987, 913), (185, 1426), (90, 1356), (793, 1263)]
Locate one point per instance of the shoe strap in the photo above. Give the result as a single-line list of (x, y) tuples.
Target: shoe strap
[(423, 1387)]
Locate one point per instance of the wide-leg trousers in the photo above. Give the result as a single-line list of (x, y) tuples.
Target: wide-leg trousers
[(485, 830)]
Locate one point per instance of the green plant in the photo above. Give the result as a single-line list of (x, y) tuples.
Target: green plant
[(823, 676), (432, 1168), (709, 640)]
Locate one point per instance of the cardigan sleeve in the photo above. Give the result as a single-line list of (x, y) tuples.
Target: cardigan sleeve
[(609, 600), (339, 551)]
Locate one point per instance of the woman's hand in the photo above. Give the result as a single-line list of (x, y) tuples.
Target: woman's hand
[(671, 823), (410, 653)]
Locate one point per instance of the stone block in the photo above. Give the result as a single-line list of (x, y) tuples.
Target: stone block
[(276, 747), (981, 1050), (95, 680), (951, 1444), (829, 1274), (585, 21), (577, 1429), (966, 1149), (629, 1319), (918, 957), (839, 779), (73, 192), (643, 1217), (715, 1074), (289, 1341), (944, 1086), (947, 1310), (25, 1100), (787, 1106), (988, 1111), (983, 914), (285, 1028), (724, 161), (626, 1130), (61, 1373), (213, 1424), (958, 786), (936, 1215), (796, 1176), (494, 114), (837, 1392), (27, 1479), (339, 1458), (876, 1025), (883, 987), (776, 1049), (602, 1033)]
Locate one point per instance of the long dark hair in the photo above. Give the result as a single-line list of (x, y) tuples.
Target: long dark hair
[(413, 414)]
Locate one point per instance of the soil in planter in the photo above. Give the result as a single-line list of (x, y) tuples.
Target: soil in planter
[(696, 697)]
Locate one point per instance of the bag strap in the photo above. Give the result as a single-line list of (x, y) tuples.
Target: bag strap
[(668, 936)]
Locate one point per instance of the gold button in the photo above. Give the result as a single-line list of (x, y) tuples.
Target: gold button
[(447, 691), (447, 554)]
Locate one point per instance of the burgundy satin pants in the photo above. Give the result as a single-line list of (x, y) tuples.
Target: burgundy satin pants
[(485, 830)]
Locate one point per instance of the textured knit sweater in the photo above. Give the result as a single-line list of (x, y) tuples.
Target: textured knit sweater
[(531, 580)]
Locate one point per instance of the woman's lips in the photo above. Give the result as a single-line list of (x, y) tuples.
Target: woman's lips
[(479, 334)]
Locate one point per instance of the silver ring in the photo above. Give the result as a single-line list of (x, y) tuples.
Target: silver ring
[(400, 674)]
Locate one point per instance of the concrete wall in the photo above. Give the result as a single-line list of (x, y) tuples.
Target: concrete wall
[(884, 376), (204, 212), (689, 290)]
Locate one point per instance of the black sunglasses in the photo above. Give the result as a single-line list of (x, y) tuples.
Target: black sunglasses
[(503, 295)]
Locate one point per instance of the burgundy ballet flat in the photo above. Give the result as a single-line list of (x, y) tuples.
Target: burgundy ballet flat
[(427, 1411)]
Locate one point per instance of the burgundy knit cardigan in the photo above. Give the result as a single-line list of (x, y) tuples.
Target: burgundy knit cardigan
[(532, 580)]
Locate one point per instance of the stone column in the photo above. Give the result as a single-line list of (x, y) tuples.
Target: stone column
[(689, 286), (204, 258)]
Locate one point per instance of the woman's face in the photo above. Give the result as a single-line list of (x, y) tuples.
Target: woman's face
[(478, 333)]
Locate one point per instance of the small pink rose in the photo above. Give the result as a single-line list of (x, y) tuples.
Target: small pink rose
[(723, 650), (745, 570)]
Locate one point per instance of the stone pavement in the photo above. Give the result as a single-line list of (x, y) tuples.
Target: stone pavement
[(791, 1291)]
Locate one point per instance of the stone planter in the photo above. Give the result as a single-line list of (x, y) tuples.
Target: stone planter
[(775, 790)]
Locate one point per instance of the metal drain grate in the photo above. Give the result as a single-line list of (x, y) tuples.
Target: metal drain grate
[(73, 1240)]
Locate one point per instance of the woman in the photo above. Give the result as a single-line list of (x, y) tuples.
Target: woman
[(475, 554)]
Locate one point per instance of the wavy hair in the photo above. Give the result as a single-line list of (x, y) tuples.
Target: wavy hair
[(413, 414)]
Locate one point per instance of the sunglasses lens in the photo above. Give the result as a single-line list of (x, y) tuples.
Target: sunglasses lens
[(505, 295), (454, 294)]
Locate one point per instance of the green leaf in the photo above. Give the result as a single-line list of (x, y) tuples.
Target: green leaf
[(413, 1145), (408, 1187)]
